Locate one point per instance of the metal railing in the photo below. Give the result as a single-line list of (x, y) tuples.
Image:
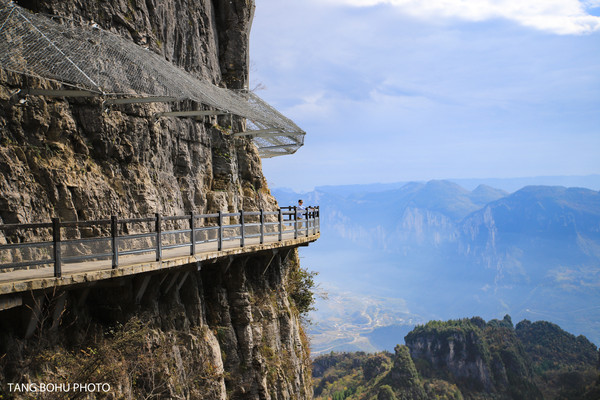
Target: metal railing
[(114, 238)]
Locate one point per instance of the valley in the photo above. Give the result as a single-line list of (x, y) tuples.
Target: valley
[(409, 253)]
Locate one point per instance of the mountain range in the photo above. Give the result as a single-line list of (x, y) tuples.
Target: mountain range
[(446, 251)]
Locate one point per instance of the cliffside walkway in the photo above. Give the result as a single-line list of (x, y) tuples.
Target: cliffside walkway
[(88, 251)]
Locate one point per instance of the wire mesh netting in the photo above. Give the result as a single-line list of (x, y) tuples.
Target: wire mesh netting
[(92, 59)]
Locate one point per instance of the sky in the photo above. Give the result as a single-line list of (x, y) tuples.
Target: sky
[(402, 90)]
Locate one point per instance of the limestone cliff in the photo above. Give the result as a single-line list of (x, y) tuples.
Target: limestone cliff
[(467, 359), (73, 159), (227, 331), (482, 359)]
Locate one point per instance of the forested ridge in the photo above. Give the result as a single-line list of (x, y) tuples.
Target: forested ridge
[(467, 359)]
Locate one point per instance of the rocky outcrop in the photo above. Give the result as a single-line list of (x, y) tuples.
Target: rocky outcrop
[(467, 359), (479, 357), (459, 353)]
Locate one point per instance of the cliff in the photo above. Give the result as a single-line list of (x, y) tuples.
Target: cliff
[(477, 357), (467, 359), (220, 333), (71, 159), (228, 331)]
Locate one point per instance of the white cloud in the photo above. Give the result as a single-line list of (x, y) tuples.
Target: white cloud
[(564, 17), (315, 105), (591, 3)]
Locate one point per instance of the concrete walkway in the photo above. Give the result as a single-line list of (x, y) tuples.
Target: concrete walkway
[(24, 280)]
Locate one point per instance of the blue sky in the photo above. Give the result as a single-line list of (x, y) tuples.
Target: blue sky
[(398, 90)]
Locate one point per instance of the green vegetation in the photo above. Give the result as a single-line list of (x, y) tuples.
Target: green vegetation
[(367, 376), (386, 393), (467, 359), (301, 288), (565, 365)]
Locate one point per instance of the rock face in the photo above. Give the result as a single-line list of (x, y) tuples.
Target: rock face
[(455, 352), (226, 332), (71, 159), (478, 357)]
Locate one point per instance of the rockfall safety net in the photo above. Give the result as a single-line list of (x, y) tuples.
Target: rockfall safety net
[(99, 62)]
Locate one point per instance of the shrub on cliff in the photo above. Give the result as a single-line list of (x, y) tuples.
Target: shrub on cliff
[(301, 288), (403, 376), (386, 393), (375, 365)]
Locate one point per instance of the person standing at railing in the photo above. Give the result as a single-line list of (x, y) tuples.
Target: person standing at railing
[(300, 211)]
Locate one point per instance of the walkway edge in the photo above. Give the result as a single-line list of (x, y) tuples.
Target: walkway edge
[(32, 284)]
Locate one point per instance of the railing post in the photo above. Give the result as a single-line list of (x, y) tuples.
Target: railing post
[(280, 219), (114, 231), (158, 227), (262, 226), (56, 243), (220, 238), (314, 221), (192, 233), (295, 222), (306, 219), (242, 229)]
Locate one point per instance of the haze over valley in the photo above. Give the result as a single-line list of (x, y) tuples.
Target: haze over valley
[(392, 256)]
